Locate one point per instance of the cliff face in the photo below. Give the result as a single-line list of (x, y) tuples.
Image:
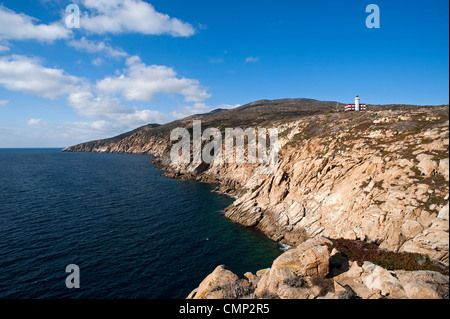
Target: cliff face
[(380, 175)]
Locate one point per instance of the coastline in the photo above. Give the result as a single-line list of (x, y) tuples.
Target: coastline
[(367, 181), (379, 177)]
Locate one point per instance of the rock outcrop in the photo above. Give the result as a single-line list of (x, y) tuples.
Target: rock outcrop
[(221, 284), (309, 271)]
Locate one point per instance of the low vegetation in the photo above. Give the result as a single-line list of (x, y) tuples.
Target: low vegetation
[(361, 251)]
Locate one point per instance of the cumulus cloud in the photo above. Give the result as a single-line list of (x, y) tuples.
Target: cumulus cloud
[(100, 17), (140, 82), (3, 102), (19, 26), (89, 106), (101, 102), (131, 16), (25, 74), (111, 109), (20, 73), (96, 47)]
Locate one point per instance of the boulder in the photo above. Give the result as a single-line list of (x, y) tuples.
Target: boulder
[(443, 213), (221, 284), (423, 284), (383, 281), (426, 164), (292, 274)]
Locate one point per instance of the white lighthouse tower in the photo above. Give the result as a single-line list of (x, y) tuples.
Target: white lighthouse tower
[(357, 108)]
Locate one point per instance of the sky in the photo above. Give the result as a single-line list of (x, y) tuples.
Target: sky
[(134, 62)]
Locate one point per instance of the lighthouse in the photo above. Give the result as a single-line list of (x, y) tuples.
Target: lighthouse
[(357, 106), (357, 103)]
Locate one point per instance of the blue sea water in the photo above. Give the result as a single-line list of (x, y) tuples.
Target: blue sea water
[(133, 233)]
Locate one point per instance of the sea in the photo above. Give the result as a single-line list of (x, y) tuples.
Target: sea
[(131, 232)]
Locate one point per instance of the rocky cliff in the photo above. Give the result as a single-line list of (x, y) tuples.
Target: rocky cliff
[(379, 176)]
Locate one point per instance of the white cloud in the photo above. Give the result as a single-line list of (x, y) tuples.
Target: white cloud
[(59, 135), (140, 117), (89, 106), (3, 48), (131, 16), (251, 59), (199, 108), (36, 122), (84, 131), (19, 26), (98, 61), (96, 47), (101, 101), (111, 109), (88, 130), (24, 74), (140, 82), (20, 73), (3, 102)]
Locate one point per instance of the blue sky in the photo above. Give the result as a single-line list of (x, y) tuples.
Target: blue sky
[(133, 62)]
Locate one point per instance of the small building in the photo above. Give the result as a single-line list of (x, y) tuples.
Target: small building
[(357, 106)]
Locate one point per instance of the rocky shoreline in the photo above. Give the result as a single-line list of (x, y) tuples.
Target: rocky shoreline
[(379, 176), (314, 271)]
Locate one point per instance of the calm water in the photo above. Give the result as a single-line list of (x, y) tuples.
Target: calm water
[(132, 232)]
